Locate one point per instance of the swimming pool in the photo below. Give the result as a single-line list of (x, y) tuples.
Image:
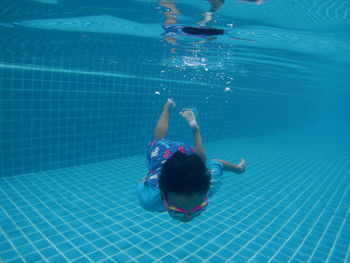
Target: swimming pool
[(82, 85)]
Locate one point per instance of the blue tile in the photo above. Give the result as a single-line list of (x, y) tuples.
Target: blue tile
[(339, 253), (170, 259), (92, 236), (215, 258), (96, 256), (146, 259), (8, 255), (49, 232), (78, 241), (253, 246), (135, 239), (145, 246), (64, 246), (33, 257), (99, 243), (2, 237), (319, 257), (282, 257), (200, 241), (136, 252), (56, 239), (63, 228), (239, 258), (8, 227), (104, 232), (180, 253), (18, 242), (110, 250), (87, 248), (57, 259), (81, 260), (5, 246), (35, 237), (49, 251), (301, 257), (70, 234), (267, 251), (122, 257), (16, 260), (42, 244), (247, 253), (14, 234), (306, 250), (273, 246), (26, 249), (157, 234), (83, 230), (261, 258), (73, 254), (123, 245)]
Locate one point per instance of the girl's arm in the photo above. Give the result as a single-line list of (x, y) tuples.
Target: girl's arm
[(198, 145)]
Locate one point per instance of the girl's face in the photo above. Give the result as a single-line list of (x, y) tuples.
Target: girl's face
[(187, 203)]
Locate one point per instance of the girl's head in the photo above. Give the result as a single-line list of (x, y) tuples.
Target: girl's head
[(184, 183)]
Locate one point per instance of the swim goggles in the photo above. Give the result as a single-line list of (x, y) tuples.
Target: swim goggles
[(179, 212)]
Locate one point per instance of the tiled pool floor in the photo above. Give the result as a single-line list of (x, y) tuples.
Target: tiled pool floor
[(289, 206)]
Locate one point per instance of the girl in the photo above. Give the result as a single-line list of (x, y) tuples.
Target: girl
[(180, 180)]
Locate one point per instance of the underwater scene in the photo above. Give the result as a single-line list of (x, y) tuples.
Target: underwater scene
[(175, 131)]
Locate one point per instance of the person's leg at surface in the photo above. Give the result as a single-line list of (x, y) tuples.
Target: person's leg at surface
[(236, 168), (171, 15), (161, 129)]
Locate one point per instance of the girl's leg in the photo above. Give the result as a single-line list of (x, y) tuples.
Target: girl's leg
[(161, 129), (236, 168)]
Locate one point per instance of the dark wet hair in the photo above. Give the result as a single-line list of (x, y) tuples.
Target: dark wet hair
[(184, 174), (202, 31)]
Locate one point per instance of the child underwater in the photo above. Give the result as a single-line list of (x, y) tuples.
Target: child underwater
[(180, 179)]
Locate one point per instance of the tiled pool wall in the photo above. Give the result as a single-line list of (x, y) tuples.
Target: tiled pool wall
[(53, 118)]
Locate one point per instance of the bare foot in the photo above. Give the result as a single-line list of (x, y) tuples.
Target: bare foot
[(242, 166), (169, 103), (188, 115)]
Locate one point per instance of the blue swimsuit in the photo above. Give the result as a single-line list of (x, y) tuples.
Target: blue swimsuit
[(157, 153)]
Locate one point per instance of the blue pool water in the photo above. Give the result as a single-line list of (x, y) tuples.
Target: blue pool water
[(82, 84)]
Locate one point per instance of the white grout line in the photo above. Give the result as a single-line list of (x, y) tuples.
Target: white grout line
[(304, 217), (9, 239), (310, 229), (299, 185), (54, 227), (271, 182), (79, 182), (37, 229), (263, 157), (127, 77), (62, 183), (338, 234), (331, 219), (94, 73), (347, 257)]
